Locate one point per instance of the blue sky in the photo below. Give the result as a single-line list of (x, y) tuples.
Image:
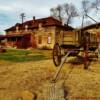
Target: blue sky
[(11, 9)]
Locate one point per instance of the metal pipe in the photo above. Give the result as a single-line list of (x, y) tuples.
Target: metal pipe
[(91, 18)]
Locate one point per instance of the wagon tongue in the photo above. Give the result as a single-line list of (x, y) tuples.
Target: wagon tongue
[(54, 90), (60, 67)]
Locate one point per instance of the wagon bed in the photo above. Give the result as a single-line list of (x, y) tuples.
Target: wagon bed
[(72, 43)]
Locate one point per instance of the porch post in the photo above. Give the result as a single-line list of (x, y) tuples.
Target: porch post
[(98, 40), (98, 49)]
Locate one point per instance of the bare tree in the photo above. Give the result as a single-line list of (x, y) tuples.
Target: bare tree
[(65, 11), (86, 6), (96, 4), (70, 12), (57, 12), (53, 12), (85, 10), (59, 9)]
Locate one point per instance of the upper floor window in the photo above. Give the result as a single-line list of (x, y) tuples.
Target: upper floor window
[(40, 26), (26, 27), (49, 40), (17, 29)]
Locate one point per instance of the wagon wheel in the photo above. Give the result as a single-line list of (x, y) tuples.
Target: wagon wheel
[(57, 54)]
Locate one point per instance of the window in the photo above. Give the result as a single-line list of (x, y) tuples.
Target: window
[(40, 39), (40, 26), (26, 28), (49, 39), (17, 29)]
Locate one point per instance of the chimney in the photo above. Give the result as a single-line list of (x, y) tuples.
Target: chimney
[(33, 18)]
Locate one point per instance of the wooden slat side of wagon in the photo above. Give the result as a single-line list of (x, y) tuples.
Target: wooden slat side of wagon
[(74, 41)]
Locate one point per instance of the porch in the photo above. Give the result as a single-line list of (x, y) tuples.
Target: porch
[(16, 40)]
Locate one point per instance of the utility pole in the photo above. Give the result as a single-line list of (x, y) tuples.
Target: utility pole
[(22, 15)]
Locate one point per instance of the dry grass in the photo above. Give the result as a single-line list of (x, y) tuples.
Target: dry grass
[(17, 77)]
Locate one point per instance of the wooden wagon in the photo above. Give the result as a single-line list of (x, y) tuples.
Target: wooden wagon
[(72, 43)]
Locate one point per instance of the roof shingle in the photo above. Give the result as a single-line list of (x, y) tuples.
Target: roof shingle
[(48, 21)]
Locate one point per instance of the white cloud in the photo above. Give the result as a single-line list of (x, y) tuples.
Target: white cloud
[(5, 8), (39, 8)]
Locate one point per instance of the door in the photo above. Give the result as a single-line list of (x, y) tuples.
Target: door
[(26, 41)]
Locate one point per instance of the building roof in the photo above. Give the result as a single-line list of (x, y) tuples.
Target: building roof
[(96, 25), (12, 35), (48, 21), (2, 36)]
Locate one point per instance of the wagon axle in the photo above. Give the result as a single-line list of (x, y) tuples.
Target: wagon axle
[(58, 57)]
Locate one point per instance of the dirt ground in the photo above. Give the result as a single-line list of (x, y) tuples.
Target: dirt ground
[(80, 84)]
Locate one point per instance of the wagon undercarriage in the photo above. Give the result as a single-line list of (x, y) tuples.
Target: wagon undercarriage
[(83, 56)]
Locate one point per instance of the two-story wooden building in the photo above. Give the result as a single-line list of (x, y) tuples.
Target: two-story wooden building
[(36, 33)]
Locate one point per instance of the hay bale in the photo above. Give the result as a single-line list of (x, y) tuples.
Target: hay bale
[(53, 91)]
